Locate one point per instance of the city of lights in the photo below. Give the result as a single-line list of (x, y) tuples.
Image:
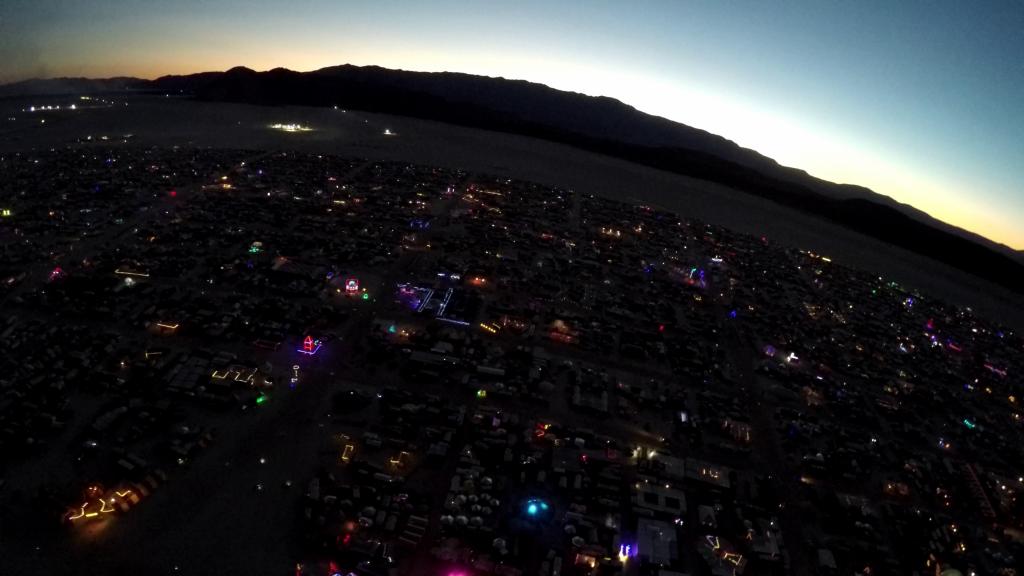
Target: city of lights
[(508, 382), (310, 346)]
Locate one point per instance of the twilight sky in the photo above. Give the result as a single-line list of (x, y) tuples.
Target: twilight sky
[(922, 101)]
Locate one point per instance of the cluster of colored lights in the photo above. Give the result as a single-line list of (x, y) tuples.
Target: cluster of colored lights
[(997, 371), (444, 303), (716, 547), (239, 374), (310, 346), (104, 508), (101, 505), (696, 277), (399, 460), (352, 289), (411, 296), (626, 551)]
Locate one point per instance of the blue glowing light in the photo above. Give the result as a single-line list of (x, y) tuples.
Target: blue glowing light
[(535, 506), (453, 321), (444, 303)]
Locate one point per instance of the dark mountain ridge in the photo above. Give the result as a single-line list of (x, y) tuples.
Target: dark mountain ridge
[(60, 86)]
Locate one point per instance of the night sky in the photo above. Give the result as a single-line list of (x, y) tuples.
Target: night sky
[(922, 101)]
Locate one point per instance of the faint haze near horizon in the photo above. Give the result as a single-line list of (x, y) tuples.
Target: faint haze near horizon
[(918, 101)]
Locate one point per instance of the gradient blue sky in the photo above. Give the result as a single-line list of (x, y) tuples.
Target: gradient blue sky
[(922, 101)]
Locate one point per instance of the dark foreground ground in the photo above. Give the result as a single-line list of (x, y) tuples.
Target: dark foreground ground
[(654, 337)]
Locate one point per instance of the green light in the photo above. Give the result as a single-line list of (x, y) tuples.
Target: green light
[(970, 425), (366, 296), (262, 398), (391, 329)]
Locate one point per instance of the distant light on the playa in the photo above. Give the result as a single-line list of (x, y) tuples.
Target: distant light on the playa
[(291, 127)]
